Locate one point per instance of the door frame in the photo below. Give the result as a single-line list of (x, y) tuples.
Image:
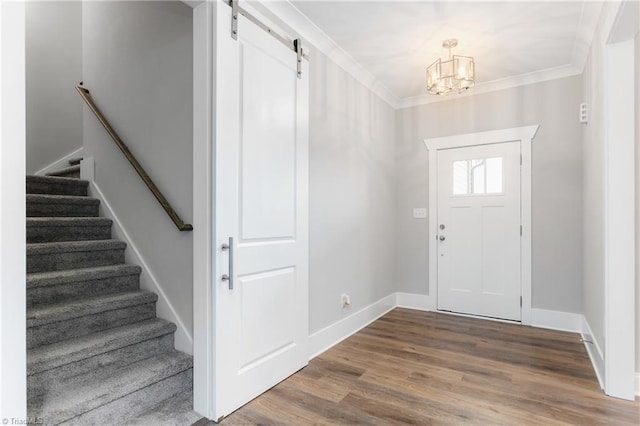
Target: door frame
[(620, 115), (13, 250), (523, 134)]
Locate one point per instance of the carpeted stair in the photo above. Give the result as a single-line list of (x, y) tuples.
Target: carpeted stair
[(73, 171), (97, 354)]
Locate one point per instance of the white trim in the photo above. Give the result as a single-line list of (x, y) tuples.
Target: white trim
[(525, 135), (148, 281), (192, 3), (322, 340), (310, 32), (591, 12), (333, 334), (60, 163), (204, 57), (557, 320), (287, 13), (638, 384), (619, 215), (594, 351), (495, 85), (13, 356), (422, 302)]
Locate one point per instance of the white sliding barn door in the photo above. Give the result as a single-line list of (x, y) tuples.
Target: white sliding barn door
[(479, 230), (262, 204)]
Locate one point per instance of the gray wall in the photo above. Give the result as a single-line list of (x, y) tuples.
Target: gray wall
[(556, 181), (53, 48), (352, 194), (593, 191), (138, 67)]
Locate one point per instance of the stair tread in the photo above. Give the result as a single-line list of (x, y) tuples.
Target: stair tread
[(64, 171), (72, 350), (73, 246), (76, 160), (85, 392), (177, 410), (69, 221), (57, 179), (40, 315), (42, 279), (61, 199)]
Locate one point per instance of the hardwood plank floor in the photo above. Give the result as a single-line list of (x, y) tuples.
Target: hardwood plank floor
[(430, 368)]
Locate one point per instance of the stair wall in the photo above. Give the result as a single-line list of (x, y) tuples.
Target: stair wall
[(151, 108), (149, 278)]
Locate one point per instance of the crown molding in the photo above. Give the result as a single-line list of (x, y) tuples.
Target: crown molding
[(495, 85), (290, 15), (591, 12)]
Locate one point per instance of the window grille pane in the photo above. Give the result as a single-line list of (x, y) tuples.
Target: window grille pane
[(460, 177), (494, 175)]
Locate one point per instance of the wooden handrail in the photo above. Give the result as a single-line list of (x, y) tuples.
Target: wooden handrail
[(86, 97)]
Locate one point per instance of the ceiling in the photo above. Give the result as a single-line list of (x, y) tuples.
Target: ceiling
[(511, 42)]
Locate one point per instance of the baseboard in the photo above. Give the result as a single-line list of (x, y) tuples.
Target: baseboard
[(421, 302), (556, 320), (594, 351), (638, 384), (333, 334), (60, 163), (148, 281)]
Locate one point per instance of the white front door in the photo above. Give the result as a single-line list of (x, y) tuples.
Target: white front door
[(262, 204), (479, 230)]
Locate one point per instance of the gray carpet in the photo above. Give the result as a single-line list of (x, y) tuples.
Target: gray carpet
[(97, 353)]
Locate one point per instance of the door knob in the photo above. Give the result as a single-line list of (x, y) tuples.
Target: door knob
[(441, 237)]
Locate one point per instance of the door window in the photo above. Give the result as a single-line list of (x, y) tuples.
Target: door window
[(477, 176)]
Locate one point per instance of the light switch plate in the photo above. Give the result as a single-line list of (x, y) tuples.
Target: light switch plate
[(420, 213)]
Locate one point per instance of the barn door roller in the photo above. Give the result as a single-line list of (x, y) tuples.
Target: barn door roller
[(294, 45), (234, 19)]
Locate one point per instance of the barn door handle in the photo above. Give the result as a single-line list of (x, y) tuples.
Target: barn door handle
[(229, 277)]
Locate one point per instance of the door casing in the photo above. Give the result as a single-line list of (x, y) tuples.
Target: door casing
[(523, 134)]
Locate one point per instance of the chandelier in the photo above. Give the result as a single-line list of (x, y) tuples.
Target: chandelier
[(456, 73)]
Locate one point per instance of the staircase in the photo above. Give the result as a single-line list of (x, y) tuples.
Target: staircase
[(96, 353)]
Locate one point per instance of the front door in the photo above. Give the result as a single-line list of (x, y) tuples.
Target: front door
[(261, 294), (479, 230)]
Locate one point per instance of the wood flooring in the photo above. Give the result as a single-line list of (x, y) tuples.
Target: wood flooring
[(425, 368)]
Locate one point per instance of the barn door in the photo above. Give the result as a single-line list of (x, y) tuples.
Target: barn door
[(261, 214)]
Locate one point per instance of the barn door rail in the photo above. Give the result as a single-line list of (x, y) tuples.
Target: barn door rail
[(86, 97), (294, 45)]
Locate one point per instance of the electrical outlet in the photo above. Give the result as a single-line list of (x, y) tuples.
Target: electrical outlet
[(346, 301)]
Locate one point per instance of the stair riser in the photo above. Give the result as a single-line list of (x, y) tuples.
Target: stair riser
[(134, 404), (62, 330), (73, 260), (46, 381), (66, 188), (62, 210), (55, 234), (73, 174), (75, 290)]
